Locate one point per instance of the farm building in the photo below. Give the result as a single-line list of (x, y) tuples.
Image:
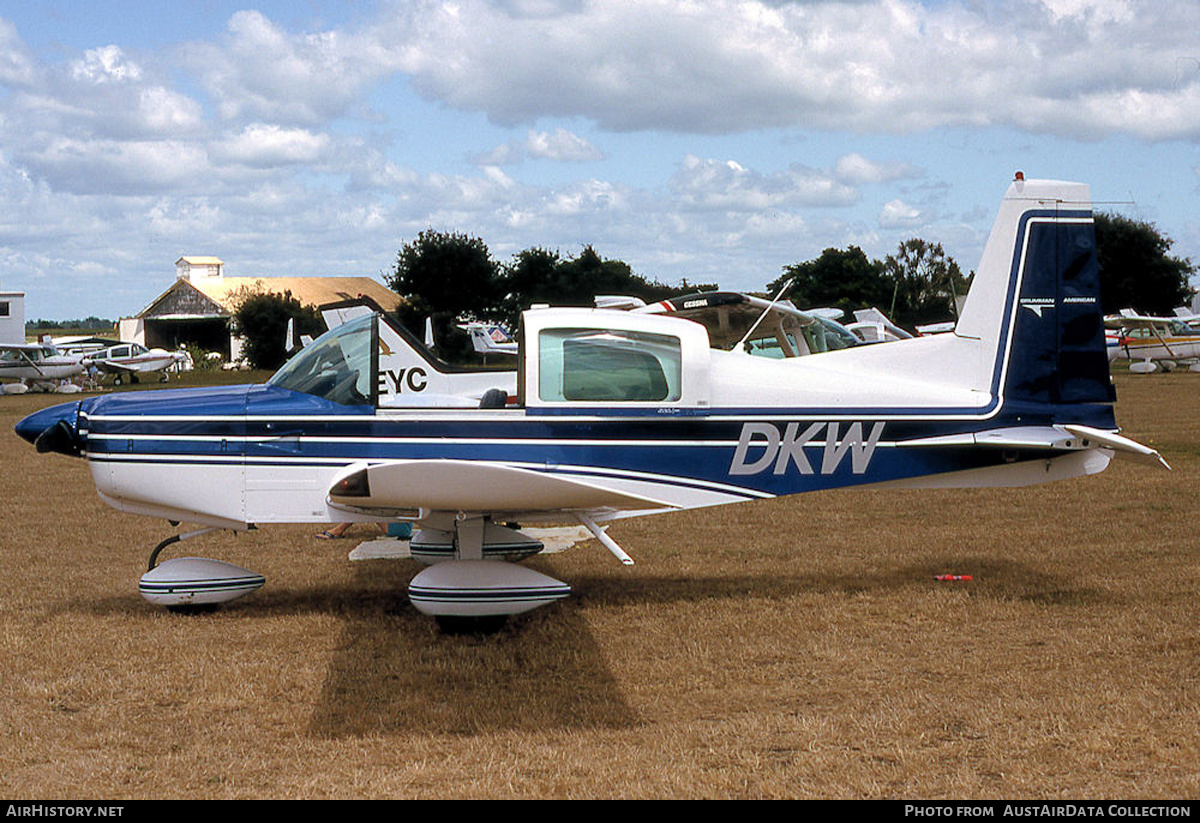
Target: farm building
[(197, 307)]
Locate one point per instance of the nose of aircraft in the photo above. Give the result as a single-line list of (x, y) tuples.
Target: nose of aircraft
[(53, 428)]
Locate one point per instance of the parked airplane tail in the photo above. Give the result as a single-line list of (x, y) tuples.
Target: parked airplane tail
[(1035, 303)]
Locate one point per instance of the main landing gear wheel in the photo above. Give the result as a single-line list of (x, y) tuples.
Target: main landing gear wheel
[(477, 596), (192, 585)]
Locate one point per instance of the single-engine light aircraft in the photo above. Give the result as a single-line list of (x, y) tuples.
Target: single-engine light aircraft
[(39, 364), (129, 361), (1152, 342), (614, 414), (767, 328), (873, 326), (490, 338)]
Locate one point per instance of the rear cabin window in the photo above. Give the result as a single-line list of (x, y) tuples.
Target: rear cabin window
[(603, 365)]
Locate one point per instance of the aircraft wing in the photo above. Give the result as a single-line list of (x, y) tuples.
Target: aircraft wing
[(738, 302), (1130, 319), (469, 485), (113, 367), (730, 316)]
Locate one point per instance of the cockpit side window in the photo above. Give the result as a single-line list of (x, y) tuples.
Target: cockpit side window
[(605, 365), (338, 366)]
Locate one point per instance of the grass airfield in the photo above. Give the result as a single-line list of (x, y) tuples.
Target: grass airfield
[(794, 648)]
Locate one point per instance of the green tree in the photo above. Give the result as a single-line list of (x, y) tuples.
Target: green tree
[(1136, 269), (262, 319), (443, 276), (538, 275), (925, 283), (450, 277), (840, 278), (531, 277)]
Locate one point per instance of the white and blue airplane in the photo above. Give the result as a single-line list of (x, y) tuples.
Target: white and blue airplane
[(613, 414)]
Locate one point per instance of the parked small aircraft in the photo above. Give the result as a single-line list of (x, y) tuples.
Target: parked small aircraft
[(39, 364), (873, 326), (614, 414), (1154, 342), (1187, 315), (490, 338), (768, 328), (129, 361)]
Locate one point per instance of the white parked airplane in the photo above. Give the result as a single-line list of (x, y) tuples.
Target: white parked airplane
[(38, 364), (129, 361), (873, 326), (615, 414), (767, 328), (490, 338), (1152, 342)]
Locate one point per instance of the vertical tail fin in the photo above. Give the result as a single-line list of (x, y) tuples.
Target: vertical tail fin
[(1036, 301), (1062, 356)]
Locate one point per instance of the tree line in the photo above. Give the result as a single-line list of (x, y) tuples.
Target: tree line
[(90, 323), (451, 276)]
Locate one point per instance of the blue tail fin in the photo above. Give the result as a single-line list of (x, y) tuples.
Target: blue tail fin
[(1034, 303), (1058, 354)]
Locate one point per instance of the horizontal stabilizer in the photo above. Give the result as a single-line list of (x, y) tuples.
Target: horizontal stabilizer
[(1123, 446), (1062, 438), (467, 485), (1011, 437)]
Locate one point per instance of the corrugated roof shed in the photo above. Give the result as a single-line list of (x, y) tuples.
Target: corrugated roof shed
[(311, 291), (227, 292)]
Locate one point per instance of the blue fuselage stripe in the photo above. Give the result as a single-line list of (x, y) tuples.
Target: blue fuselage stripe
[(683, 452)]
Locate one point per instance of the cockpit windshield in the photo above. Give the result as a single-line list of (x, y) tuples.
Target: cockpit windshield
[(337, 366), (825, 335)]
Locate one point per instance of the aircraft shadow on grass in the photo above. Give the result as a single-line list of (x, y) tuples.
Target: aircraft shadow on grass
[(394, 672)]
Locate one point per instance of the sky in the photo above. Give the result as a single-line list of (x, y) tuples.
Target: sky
[(700, 140)]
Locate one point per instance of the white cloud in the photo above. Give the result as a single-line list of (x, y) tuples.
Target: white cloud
[(105, 65), (125, 167), (589, 196), (17, 65), (163, 111), (263, 146), (882, 65), (896, 214), (856, 170), (258, 71), (259, 144), (727, 185), (560, 145)]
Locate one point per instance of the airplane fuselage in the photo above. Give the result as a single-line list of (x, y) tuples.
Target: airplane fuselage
[(1166, 347), (261, 454), (613, 414)]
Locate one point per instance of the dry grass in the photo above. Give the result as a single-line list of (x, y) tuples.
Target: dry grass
[(791, 648)]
